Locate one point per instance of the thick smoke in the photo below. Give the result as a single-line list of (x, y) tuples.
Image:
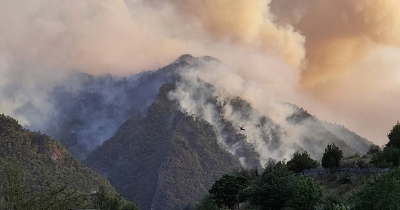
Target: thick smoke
[(198, 100), (340, 34), (275, 130), (337, 59), (351, 60)]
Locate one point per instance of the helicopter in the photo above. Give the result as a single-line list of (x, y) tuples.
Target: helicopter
[(241, 128)]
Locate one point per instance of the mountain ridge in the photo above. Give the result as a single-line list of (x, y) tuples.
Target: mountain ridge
[(148, 132), (174, 144), (44, 160)]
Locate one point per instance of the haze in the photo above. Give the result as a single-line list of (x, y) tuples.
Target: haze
[(338, 59)]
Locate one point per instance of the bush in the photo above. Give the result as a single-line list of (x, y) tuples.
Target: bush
[(362, 164), (345, 179), (334, 202)]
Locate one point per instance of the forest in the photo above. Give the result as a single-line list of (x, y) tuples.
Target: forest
[(37, 172)]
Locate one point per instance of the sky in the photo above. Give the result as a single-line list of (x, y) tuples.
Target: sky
[(338, 59)]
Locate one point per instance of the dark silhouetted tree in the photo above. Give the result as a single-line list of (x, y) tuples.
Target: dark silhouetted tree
[(388, 157), (394, 136), (207, 203), (229, 190), (301, 161), (373, 149), (332, 156), (274, 187)]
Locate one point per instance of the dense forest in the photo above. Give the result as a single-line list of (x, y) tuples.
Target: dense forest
[(37, 172)]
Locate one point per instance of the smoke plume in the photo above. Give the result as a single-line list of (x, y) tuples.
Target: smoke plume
[(337, 59)]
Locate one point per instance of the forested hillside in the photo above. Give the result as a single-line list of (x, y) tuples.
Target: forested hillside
[(44, 166), (168, 134), (165, 160)]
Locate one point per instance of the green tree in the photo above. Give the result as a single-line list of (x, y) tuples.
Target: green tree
[(301, 161), (274, 187), (207, 203), (388, 157), (103, 199), (381, 193), (394, 136), (306, 194), (332, 156), (14, 190), (374, 149), (229, 190), (15, 194)]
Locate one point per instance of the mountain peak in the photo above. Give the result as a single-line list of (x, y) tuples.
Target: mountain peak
[(186, 58)]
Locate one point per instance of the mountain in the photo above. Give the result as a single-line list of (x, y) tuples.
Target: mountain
[(351, 138), (43, 160), (321, 133), (166, 160), (163, 137)]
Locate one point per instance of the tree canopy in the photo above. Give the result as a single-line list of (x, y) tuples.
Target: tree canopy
[(274, 187), (301, 161), (306, 194), (382, 193), (394, 136), (332, 156), (229, 190)]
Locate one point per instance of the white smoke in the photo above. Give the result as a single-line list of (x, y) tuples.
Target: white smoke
[(194, 98)]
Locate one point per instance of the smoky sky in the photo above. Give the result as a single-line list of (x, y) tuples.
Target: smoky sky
[(338, 59)]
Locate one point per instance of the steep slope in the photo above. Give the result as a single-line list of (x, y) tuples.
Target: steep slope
[(317, 136), (44, 160), (170, 157), (355, 141), (158, 135), (165, 160), (87, 110)]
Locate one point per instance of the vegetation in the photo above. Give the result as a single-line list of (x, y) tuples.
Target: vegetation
[(166, 160), (332, 156), (37, 172), (389, 156), (15, 194), (276, 188), (229, 190), (383, 192), (394, 136), (207, 203), (306, 194), (279, 188), (301, 161), (373, 149)]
